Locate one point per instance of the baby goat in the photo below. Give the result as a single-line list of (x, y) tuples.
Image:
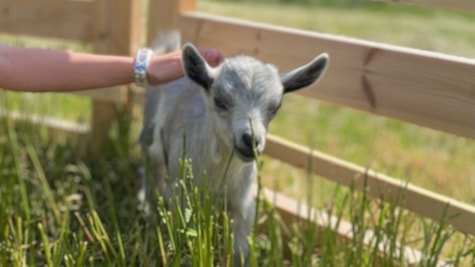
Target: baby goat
[(224, 112)]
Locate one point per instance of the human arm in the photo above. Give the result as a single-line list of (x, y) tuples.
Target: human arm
[(42, 70)]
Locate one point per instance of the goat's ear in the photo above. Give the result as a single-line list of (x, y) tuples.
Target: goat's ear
[(306, 75), (196, 67)]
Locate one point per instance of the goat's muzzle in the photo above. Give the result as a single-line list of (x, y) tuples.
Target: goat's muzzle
[(249, 147), (246, 155)]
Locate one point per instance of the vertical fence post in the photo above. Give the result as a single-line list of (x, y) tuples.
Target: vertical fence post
[(117, 26), (163, 16)]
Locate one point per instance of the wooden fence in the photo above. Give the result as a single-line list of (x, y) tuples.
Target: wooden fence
[(94, 22), (437, 91)]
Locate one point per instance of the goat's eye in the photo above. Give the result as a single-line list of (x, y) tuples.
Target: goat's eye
[(220, 104), (273, 110)]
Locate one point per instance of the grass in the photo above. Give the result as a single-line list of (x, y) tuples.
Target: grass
[(57, 209)]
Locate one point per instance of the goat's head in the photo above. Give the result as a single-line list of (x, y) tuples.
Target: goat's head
[(244, 95)]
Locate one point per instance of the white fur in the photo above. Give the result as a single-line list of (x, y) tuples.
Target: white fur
[(250, 91)]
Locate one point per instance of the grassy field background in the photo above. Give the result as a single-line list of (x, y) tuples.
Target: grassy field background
[(436, 161)]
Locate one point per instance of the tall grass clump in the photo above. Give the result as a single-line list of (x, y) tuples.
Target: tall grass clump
[(59, 208)]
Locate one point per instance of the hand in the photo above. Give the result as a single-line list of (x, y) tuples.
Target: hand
[(168, 67)]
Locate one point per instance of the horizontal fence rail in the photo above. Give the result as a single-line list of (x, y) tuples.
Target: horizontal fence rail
[(423, 202), (462, 5), (90, 21), (291, 211), (48, 18), (423, 88)]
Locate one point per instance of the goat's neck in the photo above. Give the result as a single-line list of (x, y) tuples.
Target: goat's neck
[(223, 167), (221, 153)]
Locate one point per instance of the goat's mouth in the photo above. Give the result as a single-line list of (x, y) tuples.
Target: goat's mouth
[(246, 155)]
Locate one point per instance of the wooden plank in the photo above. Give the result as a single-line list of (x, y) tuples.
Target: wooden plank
[(187, 5), (118, 37), (59, 125), (73, 132), (113, 35), (460, 5), (291, 211), (420, 87), (112, 95), (163, 16), (50, 18), (413, 198)]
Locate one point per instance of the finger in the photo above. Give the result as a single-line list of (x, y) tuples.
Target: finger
[(212, 56)]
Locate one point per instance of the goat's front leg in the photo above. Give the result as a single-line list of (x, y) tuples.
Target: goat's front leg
[(242, 213), (154, 175)]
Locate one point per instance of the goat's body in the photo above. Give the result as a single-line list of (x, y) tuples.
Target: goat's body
[(178, 111), (223, 114)]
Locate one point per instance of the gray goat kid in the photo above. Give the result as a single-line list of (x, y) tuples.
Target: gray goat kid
[(225, 112)]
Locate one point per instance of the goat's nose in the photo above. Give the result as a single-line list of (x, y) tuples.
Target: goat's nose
[(248, 140)]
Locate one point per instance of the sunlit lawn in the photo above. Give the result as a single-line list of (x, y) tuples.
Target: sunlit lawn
[(434, 160)]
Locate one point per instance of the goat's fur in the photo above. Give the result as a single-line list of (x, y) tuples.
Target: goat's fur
[(224, 112)]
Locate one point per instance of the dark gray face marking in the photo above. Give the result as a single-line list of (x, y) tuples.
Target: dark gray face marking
[(273, 108), (223, 100)]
